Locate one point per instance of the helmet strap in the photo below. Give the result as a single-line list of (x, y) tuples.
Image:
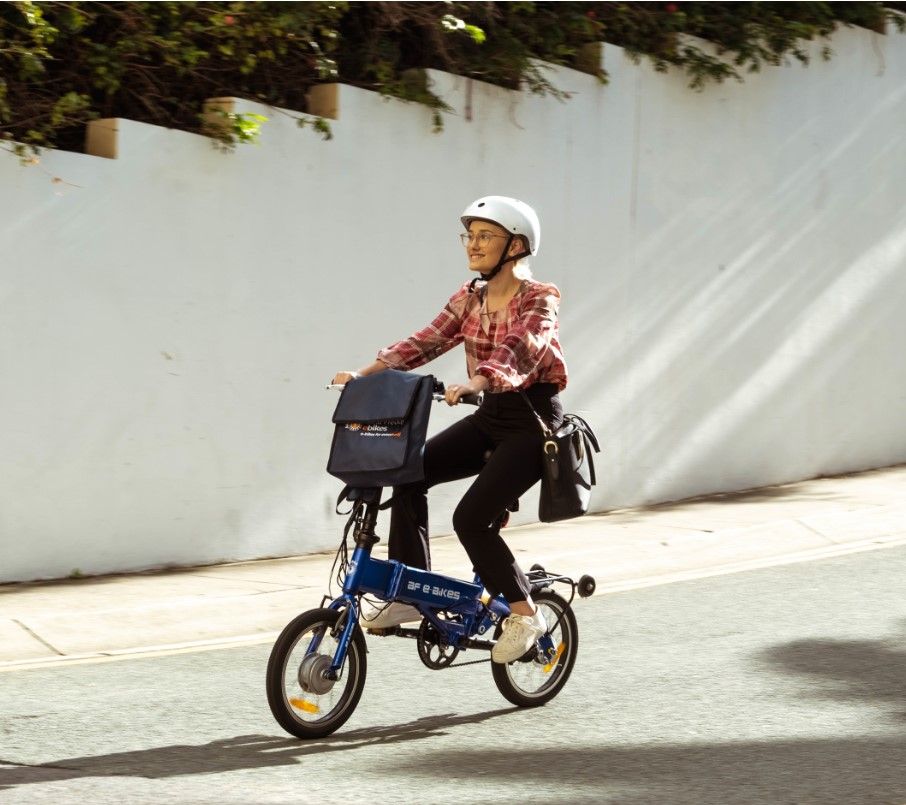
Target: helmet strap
[(504, 258)]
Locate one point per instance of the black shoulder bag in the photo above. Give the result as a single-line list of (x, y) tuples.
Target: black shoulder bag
[(569, 471)]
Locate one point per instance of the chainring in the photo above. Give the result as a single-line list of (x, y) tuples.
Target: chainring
[(432, 651)]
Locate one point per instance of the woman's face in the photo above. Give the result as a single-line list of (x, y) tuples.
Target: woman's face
[(486, 245)]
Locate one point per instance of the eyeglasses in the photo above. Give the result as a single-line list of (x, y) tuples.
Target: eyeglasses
[(481, 238)]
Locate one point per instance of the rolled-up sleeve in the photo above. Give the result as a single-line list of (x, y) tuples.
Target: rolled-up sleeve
[(527, 342), (440, 336)]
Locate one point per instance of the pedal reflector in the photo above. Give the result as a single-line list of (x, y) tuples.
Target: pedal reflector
[(550, 666), (308, 707)]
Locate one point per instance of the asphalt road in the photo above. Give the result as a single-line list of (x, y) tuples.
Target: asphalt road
[(782, 685)]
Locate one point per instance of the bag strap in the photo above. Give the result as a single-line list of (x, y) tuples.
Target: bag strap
[(591, 441), (344, 496), (551, 449), (544, 427), (341, 498), (591, 464), (586, 430)]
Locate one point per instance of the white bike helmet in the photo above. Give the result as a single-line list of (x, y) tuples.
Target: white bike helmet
[(513, 215)]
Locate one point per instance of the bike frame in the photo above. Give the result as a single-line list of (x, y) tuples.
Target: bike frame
[(390, 580)]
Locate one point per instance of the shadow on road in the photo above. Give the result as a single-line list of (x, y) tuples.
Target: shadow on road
[(872, 671), (847, 770), (789, 492), (229, 754), (787, 772)]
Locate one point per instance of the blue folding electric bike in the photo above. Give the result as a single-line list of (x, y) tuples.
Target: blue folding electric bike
[(316, 670)]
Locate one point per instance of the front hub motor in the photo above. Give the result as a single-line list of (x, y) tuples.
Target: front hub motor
[(313, 674)]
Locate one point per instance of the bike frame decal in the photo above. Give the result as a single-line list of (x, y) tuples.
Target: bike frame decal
[(421, 587)]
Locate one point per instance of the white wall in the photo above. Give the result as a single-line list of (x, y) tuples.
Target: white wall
[(731, 262)]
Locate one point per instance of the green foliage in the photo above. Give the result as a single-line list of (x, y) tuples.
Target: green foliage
[(240, 127), (65, 63), (747, 36), (318, 124), (453, 24)]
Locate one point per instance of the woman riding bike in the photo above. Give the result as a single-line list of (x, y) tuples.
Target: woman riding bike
[(508, 323)]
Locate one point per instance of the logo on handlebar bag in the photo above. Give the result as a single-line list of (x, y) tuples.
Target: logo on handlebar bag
[(392, 428)]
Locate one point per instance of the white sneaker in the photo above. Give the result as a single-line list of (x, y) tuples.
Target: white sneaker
[(520, 632), (387, 616)]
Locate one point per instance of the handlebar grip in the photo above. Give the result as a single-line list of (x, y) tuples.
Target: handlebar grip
[(472, 399)]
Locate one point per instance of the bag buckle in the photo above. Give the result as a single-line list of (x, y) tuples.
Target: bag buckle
[(552, 453)]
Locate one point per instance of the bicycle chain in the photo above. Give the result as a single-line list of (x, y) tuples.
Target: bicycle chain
[(464, 664)]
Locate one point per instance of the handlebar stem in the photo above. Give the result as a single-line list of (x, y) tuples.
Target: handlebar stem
[(364, 531)]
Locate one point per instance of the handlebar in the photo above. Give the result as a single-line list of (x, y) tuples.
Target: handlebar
[(468, 399), (437, 396)]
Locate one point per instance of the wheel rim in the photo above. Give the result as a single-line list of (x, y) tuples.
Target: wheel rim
[(309, 698), (537, 677)]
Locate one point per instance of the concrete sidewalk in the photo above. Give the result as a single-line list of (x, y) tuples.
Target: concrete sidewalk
[(114, 616)]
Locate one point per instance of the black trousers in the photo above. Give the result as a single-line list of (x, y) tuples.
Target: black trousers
[(501, 445)]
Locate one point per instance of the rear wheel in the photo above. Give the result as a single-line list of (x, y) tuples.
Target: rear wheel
[(305, 702), (533, 680)]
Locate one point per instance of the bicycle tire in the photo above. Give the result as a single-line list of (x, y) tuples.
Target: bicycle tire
[(296, 710), (554, 675)]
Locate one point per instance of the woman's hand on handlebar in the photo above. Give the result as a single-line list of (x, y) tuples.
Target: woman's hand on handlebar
[(342, 378), (476, 385)]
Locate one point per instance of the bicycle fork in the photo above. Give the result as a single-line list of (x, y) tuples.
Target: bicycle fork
[(347, 603)]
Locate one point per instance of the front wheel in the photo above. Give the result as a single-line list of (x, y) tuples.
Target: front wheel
[(532, 681), (305, 702)]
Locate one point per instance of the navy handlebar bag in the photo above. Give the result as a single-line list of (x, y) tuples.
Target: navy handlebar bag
[(380, 425)]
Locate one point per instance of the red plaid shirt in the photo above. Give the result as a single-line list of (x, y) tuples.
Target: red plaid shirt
[(513, 348)]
